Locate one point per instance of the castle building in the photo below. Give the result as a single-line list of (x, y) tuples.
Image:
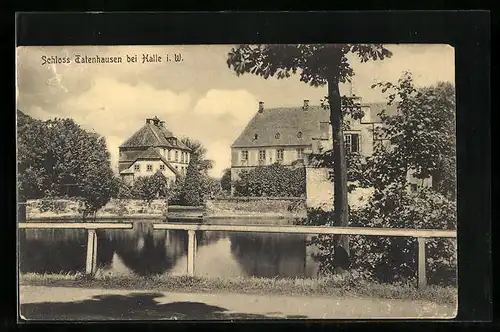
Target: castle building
[(289, 135), (150, 149)]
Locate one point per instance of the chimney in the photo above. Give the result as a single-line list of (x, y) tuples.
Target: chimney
[(306, 105), (261, 106), (149, 120)]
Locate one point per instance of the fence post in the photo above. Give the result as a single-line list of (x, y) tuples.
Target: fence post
[(91, 264), (422, 279), (191, 252)]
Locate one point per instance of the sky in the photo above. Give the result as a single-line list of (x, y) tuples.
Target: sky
[(198, 97)]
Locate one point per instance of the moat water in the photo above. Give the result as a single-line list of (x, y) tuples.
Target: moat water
[(143, 251)]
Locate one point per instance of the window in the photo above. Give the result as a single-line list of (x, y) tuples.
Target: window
[(413, 187), (176, 155), (262, 155), (351, 143), (162, 167), (299, 134), (149, 168), (300, 153), (244, 155), (182, 156), (137, 168), (277, 136), (256, 136), (168, 155), (279, 154)]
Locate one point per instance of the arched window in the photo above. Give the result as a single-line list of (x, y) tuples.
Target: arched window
[(299, 134), (277, 136)]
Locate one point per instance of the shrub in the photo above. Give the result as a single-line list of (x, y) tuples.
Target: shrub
[(394, 259), (274, 180), (151, 187)]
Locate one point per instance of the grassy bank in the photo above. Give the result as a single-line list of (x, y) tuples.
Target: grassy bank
[(324, 286)]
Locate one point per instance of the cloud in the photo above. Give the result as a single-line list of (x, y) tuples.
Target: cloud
[(117, 109), (240, 105), (220, 153)]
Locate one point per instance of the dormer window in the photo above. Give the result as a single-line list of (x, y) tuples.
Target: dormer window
[(299, 134), (256, 136), (277, 136)]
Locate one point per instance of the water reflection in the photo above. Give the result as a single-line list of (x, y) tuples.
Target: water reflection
[(144, 251)]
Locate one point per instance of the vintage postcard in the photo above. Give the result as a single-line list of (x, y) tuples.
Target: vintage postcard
[(228, 182)]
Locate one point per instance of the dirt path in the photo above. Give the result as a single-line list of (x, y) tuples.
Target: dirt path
[(39, 302)]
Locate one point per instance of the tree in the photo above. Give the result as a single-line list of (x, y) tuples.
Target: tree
[(193, 188), (198, 153), (420, 137), (151, 187), (318, 65), (59, 158), (197, 183), (225, 181)]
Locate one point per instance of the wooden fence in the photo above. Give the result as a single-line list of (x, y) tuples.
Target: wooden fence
[(420, 234)]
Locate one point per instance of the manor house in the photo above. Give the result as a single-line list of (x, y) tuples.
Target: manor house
[(150, 149), (289, 135)]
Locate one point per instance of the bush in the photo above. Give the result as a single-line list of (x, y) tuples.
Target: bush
[(394, 259), (150, 187), (275, 180), (193, 190)]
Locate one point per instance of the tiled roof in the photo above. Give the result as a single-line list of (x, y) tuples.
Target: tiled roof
[(281, 126), (292, 125), (153, 154), (153, 135)]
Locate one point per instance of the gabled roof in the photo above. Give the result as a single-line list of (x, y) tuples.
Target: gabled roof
[(154, 134), (292, 125), (153, 154), (287, 122)]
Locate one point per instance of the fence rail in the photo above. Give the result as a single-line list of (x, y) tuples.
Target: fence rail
[(91, 264)]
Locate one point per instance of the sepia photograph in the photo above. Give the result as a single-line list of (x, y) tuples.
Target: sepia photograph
[(236, 182)]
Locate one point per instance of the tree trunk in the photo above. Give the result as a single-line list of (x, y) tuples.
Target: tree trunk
[(340, 202)]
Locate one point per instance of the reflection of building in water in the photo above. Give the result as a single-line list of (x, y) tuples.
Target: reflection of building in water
[(146, 251), (142, 250), (270, 255)]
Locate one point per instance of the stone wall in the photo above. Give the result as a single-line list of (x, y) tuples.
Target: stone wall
[(256, 206), (319, 191), (115, 208)]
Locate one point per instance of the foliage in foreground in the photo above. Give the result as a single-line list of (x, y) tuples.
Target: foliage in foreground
[(394, 259), (420, 138)]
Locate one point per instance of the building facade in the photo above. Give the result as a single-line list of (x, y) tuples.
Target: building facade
[(150, 149), (290, 135)]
